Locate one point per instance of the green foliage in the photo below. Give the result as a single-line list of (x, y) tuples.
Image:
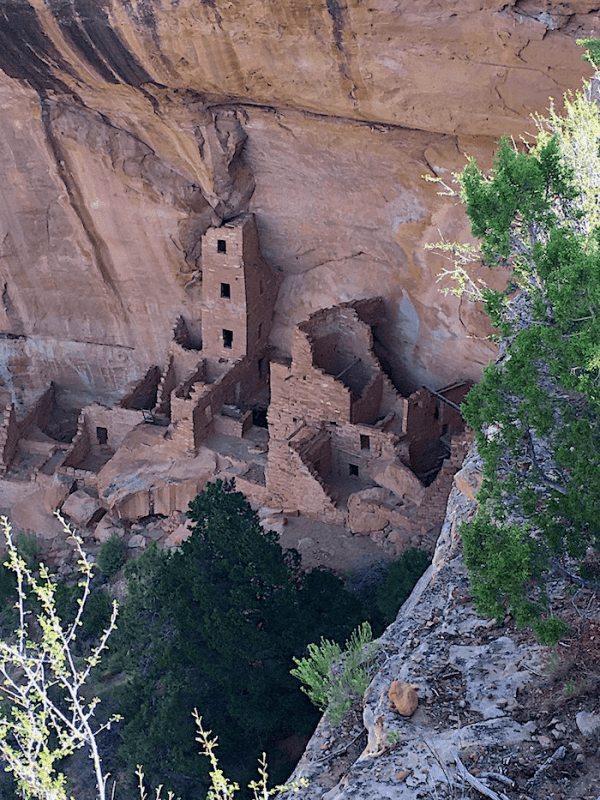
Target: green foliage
[(45, 715), (216, 625), (593, 51), (111, 556), (333, 678), (96, 614), (402, 575), (536, 411), (28, 548)]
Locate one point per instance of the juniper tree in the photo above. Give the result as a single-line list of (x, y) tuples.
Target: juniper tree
[(536, 410), (215, 626)]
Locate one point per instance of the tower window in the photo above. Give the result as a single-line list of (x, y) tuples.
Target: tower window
[(226, 290), (353, 469), (261, 286), (260, 330), (227, 339), (221, 246), (365, 442), (102, 435)]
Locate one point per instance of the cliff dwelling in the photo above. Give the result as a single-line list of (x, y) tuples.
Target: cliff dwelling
[(323, 434)]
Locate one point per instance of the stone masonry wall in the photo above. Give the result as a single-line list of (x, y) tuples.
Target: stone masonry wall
[(80, 446), (238, 290), (142, 394), (118, 422), (293, 484), (361, 445)]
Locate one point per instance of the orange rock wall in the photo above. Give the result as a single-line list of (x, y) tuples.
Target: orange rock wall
[(320, 116)]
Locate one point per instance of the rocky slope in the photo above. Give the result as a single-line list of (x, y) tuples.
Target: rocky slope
[(517, 717), (129, 126)]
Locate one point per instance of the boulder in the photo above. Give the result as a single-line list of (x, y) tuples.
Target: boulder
[(403, 698), (137, 540), (468, 481), (58, 491), (588, 723), (82, 507), (178, 536), (105, 529), (366, 512), (400, 480)]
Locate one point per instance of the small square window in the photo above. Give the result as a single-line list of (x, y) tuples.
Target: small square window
[(226, 290), (353, 469), (227, 339), (365, 442), (221, 246)]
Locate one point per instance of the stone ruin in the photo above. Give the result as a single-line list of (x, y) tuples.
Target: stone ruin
[(324, 434)]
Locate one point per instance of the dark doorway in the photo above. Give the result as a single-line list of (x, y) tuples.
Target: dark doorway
[(102, 435), (221, 246), (353, 470), (227, 339), (226, 290), (259, 417)]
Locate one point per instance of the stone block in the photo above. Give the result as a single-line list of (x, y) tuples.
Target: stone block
[(105, 529), (178, 536), (403, 698), (81, 507), (58, 490), (400, 480), (468, 481), (366, 512)]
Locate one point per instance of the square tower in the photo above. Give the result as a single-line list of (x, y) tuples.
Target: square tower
[(238, 291)]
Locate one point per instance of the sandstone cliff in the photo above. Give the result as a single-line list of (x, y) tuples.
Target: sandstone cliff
[(129, 126)]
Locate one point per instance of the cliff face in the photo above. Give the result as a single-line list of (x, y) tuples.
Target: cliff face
[(129, 126), (496, 710)]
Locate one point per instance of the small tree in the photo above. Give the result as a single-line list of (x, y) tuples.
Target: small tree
[(536, 411), (44, 715), (111, 556)]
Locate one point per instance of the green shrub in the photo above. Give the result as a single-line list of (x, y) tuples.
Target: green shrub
[(333, 677), (28, 548), (111, 556), (96, 613), (402, 575)]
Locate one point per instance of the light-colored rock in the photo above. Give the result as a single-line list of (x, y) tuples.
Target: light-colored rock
[(400, 480), (588, 723), (178, 536), (81, 506), (58, 491), (105, 529), (270, 523), (403, 697), (365, 511), (468, 481), (137, 540)]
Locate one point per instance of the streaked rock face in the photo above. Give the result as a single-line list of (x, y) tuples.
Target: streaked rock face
[(127, 127)]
